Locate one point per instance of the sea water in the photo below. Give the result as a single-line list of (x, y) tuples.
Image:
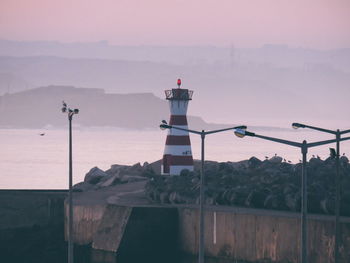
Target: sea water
[(38, 158)]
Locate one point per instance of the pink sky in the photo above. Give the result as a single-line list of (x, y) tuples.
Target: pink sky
[(244, 23)]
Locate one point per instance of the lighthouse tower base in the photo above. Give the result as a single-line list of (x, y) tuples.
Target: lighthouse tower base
[(176, 169)]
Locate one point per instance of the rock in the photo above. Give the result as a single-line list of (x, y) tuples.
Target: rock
[(256, 199), (136, 169), (275, 159), (240, 165), (328, 206), (315, 162), (273, 201), (82, 187), (117, 169), (210, 200), (164, 198), (292, 201), (112, 180), (344, 160), (254, 162), (185, 172), (176, 198), (195, 180), (94, 175), (131, 178)]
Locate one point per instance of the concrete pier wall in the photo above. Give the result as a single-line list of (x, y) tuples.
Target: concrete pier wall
[(86, 219), (125, 230), (230, 233), (111, 229), (261, 235)]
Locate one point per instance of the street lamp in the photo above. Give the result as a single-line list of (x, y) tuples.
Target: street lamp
[(70, 112), (304, 146), (337, 134), (202, 133)]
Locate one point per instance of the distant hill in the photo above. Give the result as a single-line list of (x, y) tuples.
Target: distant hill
[(40, 107)]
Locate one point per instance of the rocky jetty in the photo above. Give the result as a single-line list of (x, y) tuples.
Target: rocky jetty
[(270, 184), (118, 174)]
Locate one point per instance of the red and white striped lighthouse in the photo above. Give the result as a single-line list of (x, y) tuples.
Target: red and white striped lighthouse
[(177, 153)]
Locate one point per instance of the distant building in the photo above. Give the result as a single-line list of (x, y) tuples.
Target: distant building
[(177, 153)]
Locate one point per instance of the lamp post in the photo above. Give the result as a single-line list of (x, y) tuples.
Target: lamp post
[(70, 112), (337, 134), (202, 133), (304, 146)]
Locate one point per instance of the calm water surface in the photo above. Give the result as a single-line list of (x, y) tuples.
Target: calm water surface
[(31, 161)]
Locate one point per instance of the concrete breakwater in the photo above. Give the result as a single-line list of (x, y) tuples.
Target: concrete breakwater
[(124, 221)]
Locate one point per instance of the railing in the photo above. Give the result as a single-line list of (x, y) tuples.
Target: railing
[(179, 94)]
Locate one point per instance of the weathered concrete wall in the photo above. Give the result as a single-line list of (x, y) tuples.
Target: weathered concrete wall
[(111, 228), (86, 219), (126, 229), (261, 235), (230, 233)]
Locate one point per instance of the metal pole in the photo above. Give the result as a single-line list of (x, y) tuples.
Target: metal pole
[(70, 216), (337, 202), (304, 205), (201, 205)]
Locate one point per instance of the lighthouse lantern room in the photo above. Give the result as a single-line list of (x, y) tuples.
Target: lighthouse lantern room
[(177, 153)]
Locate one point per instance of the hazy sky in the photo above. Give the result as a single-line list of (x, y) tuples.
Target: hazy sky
[(244, 23)]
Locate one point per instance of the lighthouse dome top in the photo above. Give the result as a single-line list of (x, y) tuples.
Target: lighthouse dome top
[(179, 94)]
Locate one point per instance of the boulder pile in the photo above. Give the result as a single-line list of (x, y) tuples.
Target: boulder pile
[(117, 174), (270, 184)]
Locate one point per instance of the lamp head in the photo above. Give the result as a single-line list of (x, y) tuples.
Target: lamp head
[(76, 111), (64, 107), (178, 83), (296, 125), (240, 133), (164, 125)]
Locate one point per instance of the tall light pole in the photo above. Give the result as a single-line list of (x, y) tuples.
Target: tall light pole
[(202, 133), (70, 112), (304, 146), (337, 134)]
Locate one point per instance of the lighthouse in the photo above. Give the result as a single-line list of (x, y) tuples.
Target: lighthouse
[(177, 153)]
